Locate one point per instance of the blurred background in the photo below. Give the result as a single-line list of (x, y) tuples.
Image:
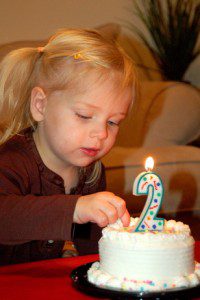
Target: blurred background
[(37, 19)]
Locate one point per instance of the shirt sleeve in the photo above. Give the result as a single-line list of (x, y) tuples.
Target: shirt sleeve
[(25, 216)]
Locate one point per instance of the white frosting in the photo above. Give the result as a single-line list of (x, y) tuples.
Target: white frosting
[(146, 260)]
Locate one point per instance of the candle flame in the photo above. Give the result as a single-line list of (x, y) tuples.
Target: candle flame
[(149, 163)]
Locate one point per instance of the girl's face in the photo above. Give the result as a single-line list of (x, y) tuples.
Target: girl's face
[(80, 126)]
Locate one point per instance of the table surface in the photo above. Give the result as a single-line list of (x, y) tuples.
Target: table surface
[(49, 279)]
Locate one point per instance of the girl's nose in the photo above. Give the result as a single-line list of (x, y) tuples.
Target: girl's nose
[(99, 131)]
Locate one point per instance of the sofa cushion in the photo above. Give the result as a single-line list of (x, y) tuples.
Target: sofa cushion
[(173, 117)]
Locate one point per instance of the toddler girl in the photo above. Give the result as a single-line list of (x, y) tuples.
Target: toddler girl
[(61, 106)]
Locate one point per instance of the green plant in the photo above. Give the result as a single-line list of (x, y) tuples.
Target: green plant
[(173, 28)]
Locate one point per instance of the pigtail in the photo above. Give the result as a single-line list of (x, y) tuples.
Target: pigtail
[(17, 77)]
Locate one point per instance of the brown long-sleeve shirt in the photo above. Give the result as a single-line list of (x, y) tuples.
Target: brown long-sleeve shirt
[(34, 207)]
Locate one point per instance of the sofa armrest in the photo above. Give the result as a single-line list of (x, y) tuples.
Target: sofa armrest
[(165, 114), (173, 116), (178, 166)]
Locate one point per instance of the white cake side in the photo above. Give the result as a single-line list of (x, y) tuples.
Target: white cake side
[(146, 260)]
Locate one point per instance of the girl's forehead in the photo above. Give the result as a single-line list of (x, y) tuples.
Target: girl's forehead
[(104, 89), (96, 85), (105, 97), (107, 81)]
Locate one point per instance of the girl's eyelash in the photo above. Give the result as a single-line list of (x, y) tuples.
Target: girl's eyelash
[(82, 116), (113, 123)]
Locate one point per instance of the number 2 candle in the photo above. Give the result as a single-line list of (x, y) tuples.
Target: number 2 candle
[(148, 183)]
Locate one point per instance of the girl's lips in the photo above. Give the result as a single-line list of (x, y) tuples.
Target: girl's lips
[(90, 151)]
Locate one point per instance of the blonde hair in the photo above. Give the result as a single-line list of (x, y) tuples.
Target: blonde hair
[(53, 67)]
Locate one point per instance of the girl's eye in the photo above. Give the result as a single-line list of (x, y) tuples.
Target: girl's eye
[(82, 116), (112, 123)]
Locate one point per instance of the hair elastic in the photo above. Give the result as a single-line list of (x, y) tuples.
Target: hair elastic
[(40, 49)]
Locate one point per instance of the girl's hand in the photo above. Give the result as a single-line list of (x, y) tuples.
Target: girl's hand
[(102, 208)]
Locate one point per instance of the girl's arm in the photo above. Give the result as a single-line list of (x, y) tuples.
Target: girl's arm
[(26, 214)]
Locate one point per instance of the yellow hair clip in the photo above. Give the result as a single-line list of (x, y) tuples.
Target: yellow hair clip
[(78, 56)]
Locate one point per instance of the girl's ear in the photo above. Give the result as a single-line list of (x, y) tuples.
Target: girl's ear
[(38, 103)]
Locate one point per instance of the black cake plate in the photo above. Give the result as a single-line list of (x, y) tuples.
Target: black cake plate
[(80, 281)]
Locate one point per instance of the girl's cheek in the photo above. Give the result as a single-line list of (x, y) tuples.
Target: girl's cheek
[(116, 133), (112, 140)]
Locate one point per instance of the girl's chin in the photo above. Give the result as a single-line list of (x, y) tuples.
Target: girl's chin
[(85, 160), (84, 163)]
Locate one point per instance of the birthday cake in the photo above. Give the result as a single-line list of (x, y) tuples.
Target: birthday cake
[(146, 260), (152, 254)]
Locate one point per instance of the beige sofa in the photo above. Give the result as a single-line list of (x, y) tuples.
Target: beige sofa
[(164, 120)]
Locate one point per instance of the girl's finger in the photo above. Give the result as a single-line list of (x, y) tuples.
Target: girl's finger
[(119, 204), (125, 219), (100, 218), (110, 211)]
